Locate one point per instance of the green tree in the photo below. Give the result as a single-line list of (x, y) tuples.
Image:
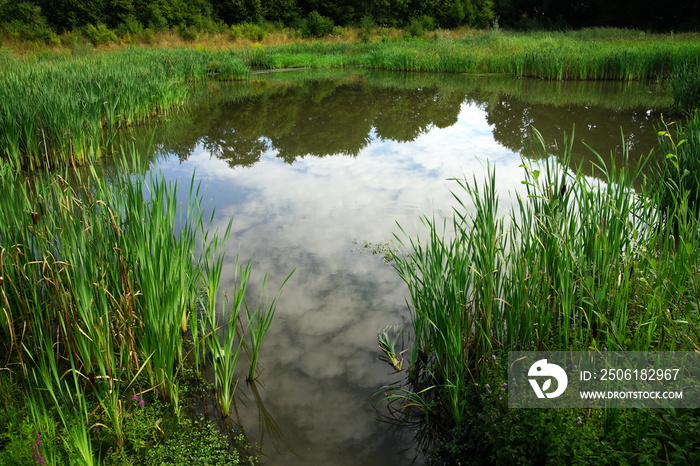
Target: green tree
[(240, 11), (283, 11), (450, 13), (65, 15)]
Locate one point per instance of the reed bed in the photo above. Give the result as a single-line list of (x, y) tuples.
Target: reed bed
[(552, 56), (103, 295), (576, 264), (57, 109)]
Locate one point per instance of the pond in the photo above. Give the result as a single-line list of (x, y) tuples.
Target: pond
[(311, 167)]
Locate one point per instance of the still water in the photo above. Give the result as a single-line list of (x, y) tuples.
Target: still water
[(310, 167)]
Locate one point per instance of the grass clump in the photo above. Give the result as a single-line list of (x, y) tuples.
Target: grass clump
[(577, 264)]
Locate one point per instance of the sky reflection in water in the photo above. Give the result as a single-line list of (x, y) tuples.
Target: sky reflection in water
[(308, 212)]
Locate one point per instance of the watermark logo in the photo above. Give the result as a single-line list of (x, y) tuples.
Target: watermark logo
[(542, 368), (604, 379)]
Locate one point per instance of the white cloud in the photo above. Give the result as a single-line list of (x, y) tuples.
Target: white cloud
[(320, 355)]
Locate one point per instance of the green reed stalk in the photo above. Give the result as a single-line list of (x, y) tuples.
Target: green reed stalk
[(99, 284), (221, 340), (63, 109), (578, 263), (259, 322)]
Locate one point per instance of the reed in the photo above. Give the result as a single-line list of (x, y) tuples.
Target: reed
[(553, 56), (58, 109), (259, 321), (222, 340), (100, 283), (578, 263)]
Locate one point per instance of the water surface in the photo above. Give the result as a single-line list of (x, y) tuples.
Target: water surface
[(310, 166)]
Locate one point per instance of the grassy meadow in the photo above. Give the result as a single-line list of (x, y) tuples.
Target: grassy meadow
[(109, 294)]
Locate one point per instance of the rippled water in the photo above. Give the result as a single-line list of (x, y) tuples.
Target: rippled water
[(310, 166)]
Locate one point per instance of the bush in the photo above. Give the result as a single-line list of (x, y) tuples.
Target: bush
[(420, 25), (35, 31), (235, 32), (253, 32), (367, 26), (99, 34), (316, 25), (188, 33), (131, 27), (148, 36), (78, 45)]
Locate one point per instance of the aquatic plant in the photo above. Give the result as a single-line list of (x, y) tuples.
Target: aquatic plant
[(99, 284), (578, 263), (388, 346), (60, 109), (258, 323)]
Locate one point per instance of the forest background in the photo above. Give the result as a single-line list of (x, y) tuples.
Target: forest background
[(43, 19)]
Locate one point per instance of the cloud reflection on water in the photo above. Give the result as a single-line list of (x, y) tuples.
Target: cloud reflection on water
[(320, 357)]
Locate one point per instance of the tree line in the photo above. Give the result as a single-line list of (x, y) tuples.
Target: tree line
[(66, 15)]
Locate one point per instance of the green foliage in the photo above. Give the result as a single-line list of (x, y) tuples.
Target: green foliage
[(316, 25), (253, 31), (533, 15), (195, 442), (450, 13), (686, 88), (420, 25), (620, 274), (100, 320), (52, 126), (677, 174), (100, 34), (495, 434), (188, 33)]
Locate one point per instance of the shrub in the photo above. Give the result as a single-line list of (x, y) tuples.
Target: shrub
[(148, 36), (367, 26), (235, 32), (99, 34), (420, 25), (253, 32), (316, 25), (188, 33), (131, 26)]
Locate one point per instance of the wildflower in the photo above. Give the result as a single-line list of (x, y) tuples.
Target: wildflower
[(141, 402), (37, 457), (135, 398), (579, 421)]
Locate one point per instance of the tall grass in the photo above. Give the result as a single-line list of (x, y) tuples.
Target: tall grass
[(553, 56), (576, 264), (99, 284), (57, 109)]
